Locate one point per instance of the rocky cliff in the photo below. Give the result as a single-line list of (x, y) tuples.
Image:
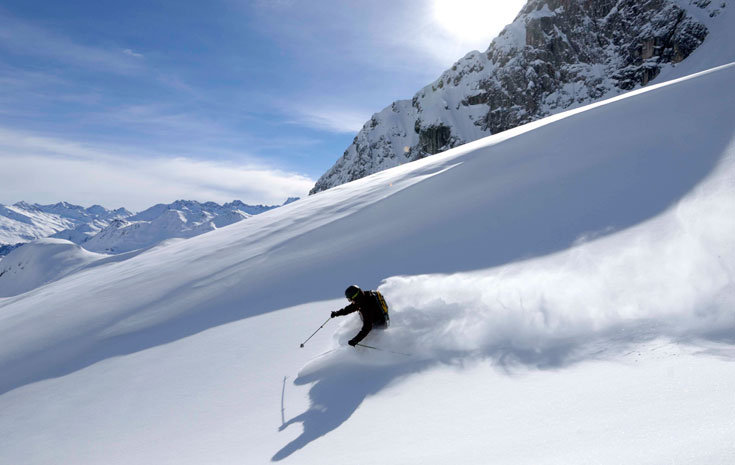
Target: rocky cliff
[(556, 54)]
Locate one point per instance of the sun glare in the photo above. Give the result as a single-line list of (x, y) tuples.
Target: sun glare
[(475, 21)]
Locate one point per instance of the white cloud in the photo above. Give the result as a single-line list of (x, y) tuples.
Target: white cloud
[(161, 118), (368, 54), (46, 170), (474, 22), (443, 31), (333, 119), (423, 37), (131, 53), (22, 37)]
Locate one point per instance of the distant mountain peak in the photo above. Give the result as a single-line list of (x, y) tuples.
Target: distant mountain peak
[(113, 231), (24, 205)]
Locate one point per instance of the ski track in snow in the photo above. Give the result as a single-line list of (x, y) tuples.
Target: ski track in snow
[(605, 298), (635, 286)]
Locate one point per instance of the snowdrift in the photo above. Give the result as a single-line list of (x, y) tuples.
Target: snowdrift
[(585, 236)]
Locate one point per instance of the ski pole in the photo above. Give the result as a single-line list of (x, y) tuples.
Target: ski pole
[(302, 344), (383, 350)]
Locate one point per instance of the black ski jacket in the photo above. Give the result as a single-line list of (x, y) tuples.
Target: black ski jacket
[(370, 312)]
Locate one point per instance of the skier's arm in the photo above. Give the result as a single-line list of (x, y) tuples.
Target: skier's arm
[(366, 327), (347, 310)]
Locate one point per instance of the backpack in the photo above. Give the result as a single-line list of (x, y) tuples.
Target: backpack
[(382, 305)]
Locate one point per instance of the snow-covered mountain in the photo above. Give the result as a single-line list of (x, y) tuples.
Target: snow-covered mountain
[(24, 222), (557, 54), (571, 303), (120, 233), (180, 219), (115, 231)]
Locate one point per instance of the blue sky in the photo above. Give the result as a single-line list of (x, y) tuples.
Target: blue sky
[(134, 103)]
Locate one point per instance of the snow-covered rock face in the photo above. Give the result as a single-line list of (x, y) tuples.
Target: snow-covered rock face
[(557, 54)]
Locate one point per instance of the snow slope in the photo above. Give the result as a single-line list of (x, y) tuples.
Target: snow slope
[(49, 259), (572, 303), (39, 262)]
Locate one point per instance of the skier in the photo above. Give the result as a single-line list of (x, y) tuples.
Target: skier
[(372, 307)]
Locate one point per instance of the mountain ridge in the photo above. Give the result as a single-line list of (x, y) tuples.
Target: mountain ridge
[(91, 227), (557, 54)]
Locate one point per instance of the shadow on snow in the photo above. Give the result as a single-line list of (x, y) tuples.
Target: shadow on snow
[(510, 201)]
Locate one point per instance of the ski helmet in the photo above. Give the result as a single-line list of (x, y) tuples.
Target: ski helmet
[(352, 292)]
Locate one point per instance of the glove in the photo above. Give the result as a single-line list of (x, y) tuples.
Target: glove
[(352, 342), (333, 314)]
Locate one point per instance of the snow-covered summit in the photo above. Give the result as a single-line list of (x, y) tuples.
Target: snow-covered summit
[(557, 54), (79, 213), (194, 210)]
